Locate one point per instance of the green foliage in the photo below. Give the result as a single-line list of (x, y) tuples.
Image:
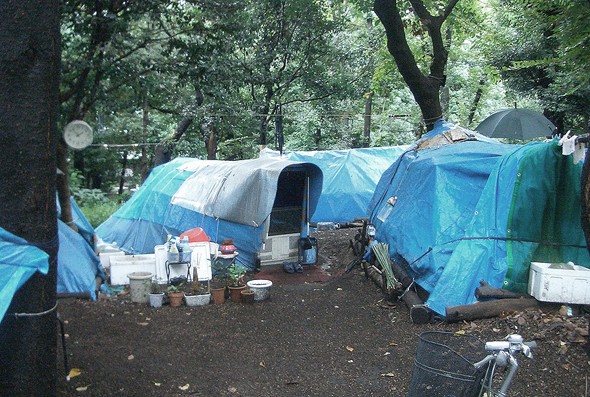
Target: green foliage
[(99, 212), (236, 274), (135, 71), (175, 288), (87, 197)]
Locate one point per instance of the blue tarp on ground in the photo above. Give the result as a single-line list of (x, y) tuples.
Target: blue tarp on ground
[(479, 210), (350, 177), (19, 261), (227, 199)]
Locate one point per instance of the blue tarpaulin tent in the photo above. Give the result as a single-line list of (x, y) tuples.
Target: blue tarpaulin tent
[(458, 211), (227, 199), (350, 177), (78, 265)]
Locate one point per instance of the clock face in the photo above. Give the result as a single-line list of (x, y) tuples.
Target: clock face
[(78, 134)]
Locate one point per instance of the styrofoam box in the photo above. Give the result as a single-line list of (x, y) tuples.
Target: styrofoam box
[(105, 257), (122, 265), (559, 282)]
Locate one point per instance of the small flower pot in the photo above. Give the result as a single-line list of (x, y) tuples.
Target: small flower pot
[(218, 295), (247, 296), (175, 298), (235, 293), (156, 299)]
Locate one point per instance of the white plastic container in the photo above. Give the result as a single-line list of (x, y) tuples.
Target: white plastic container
[(122, 265), (261, 289), (105, 256), (559, 282)]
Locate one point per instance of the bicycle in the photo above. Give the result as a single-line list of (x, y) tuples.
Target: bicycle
[(451, 365)]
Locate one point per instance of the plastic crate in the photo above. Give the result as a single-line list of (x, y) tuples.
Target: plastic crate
[(559, 282)]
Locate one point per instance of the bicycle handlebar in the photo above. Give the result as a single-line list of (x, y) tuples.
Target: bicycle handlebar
[(513, 344)]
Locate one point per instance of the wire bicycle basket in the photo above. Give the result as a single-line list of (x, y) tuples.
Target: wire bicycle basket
[(443, 366)]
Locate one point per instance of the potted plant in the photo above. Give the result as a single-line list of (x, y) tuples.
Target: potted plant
[(219, 281), (237, 284), (175, 294), (156, 295), (247, 295), (197, 294)]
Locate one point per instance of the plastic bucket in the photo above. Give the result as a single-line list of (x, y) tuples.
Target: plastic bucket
[(139, 286), (261, 289)]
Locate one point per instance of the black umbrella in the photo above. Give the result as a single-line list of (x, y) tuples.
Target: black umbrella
[(516, 124)]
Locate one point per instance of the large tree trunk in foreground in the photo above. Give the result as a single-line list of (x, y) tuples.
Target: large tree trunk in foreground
[(29, 71)]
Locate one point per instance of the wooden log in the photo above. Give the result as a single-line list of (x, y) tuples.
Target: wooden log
[(419, 313), (73, 295), (486, 291), (488, 309), (401, 275)]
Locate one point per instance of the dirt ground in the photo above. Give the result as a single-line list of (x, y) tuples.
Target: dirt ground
[(336, 337)]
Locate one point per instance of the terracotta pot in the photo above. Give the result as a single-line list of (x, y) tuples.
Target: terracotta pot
[(227, 247), (247, 296), (235, 293), (175, 298), (218, 295)]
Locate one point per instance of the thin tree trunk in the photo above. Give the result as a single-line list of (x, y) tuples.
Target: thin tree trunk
[(145, 122), (63, 187), (122, 176), (370, 93), (476, 99), (368, 115), (29, 70)]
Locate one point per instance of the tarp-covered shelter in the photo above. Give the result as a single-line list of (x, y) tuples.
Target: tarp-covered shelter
[(19, 261), (350, 178), (246, 201), (78, 266), (458, 208)]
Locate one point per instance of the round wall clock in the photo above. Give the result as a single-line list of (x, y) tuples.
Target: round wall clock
[(78, 134)]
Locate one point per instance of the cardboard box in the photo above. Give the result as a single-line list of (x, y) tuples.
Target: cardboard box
[(559, 282)]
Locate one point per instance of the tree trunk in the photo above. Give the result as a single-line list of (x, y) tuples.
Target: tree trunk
[(145, 122), (211, 142), (29, 70), (424, 88), (476, 99), (368, 114), (63, 186), (122, 176), (164, 153)]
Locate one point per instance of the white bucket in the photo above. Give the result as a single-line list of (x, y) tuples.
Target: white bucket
[(261, 289), (139, 286)]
